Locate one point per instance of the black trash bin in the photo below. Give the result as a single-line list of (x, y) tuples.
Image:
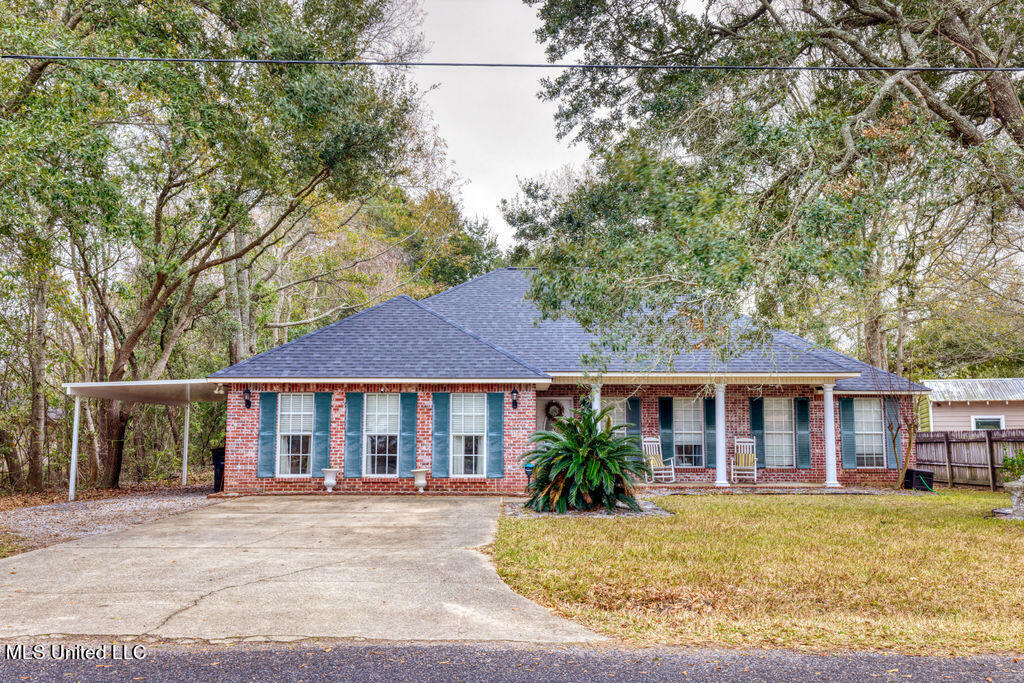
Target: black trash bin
[(919, 480), (217, 455)]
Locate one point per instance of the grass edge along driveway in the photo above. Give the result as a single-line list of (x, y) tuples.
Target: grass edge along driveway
[(915, 574)]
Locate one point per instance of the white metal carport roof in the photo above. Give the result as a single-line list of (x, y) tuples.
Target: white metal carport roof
[(166, 392)]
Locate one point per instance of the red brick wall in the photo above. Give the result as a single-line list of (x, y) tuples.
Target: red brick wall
[(737, 420), (243, 435)]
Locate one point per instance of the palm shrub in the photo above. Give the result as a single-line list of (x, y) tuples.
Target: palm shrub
[(583, 465)]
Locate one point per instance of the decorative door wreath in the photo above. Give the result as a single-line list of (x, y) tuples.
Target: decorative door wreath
[(554, 410)]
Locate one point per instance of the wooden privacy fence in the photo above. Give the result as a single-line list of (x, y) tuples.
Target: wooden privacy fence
[(971, 457)]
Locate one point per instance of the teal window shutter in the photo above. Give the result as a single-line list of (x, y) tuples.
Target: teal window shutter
[(267, 444), (848, 434), (321, 432), (495, 435), (353, 434), (710, 443), (803, 432), (757, 427), (633, 419), (668, 437), (439, 459), (893, 445), (407, 434)]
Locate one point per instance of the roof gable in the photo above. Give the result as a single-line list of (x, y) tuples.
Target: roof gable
[(397, 339)]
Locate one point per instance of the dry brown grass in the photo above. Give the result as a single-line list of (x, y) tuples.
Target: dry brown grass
[(916, 574), (10, 544), (10, 501)]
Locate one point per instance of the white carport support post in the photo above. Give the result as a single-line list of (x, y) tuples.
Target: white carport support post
[(595, 397), (831, 480), (721, 477), (184, 445), (73, 474)]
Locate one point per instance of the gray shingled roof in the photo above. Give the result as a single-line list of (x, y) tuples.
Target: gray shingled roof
[(494, 306), (400, 338), (486, 328)]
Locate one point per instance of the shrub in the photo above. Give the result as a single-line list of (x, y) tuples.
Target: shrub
[(1013, 466), (583, 465)]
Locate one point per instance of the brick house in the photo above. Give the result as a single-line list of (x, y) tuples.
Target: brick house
[(457, 383)]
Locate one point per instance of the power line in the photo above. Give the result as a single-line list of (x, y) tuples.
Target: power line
[(514, 65)]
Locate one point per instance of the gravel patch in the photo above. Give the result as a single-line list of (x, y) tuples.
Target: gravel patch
[(44, 525), (648, 509)]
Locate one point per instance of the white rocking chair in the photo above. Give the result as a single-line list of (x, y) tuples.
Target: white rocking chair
[(662, 469), (744, 460)]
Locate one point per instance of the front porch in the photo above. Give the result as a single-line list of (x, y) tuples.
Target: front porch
[(799, 443)]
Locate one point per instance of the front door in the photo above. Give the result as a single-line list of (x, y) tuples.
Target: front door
[(550, 408)]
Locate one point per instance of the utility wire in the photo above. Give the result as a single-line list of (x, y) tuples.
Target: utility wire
[(514, 65)]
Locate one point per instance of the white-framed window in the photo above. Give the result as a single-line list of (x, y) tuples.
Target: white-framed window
[(618, 414), (988, 422), (380, 427), (688, 429), (469, 434), (869, 430), (779, 436), (294, 434)]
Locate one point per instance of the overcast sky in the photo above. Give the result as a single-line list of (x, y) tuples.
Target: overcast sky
[(495, 126)]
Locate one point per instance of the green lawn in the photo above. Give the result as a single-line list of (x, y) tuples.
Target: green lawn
[(918, 574)]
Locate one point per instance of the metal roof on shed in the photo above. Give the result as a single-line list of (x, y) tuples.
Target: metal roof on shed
[(999, 389)]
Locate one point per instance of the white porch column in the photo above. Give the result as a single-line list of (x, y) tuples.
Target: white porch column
[(595, 397), (73, 474), (721, 477), (831, 480), (184, 445)]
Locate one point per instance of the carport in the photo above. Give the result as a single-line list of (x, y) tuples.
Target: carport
[(165, 392)]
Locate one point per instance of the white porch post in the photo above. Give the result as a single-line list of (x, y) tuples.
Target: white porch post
[(184, 445), (831, 480), (73, 474), (595, 397), (721, 478)]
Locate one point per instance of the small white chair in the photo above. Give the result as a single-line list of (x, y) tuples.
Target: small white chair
[(662, 470), (744, 460)]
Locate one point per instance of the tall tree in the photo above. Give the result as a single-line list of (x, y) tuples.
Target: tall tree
[(716, 189), (202, 164)]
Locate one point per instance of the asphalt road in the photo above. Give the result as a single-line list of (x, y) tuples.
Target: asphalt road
[(492, 662)]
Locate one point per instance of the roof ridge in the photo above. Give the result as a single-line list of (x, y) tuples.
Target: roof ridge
[(474, 279), (476, 336), (308, 334)]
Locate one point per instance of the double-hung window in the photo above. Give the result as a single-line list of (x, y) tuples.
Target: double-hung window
[(469, 430), (618, 415), (779, 438), (869, 430), (688, 429), (294, 434), (381, 427)]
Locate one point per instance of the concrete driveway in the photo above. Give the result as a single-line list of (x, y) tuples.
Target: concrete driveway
[(282, 568)]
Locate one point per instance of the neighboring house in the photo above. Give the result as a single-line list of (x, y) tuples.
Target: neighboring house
[(963, 404), (457, 383)]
